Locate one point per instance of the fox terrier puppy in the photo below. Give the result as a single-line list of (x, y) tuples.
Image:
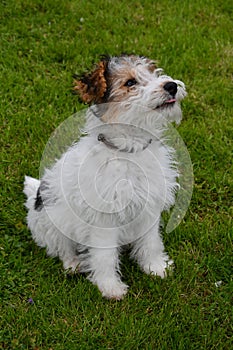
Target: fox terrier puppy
[(109, 189)]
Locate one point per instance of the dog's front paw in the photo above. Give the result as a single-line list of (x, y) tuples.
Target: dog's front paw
[(160, 267), (112, 289)]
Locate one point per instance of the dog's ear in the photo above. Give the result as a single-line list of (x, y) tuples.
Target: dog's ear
[(93, 86)]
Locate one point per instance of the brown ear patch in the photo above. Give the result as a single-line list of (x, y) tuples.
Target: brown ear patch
[(92, 87)]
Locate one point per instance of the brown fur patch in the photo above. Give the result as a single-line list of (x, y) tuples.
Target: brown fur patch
[(92, 87)]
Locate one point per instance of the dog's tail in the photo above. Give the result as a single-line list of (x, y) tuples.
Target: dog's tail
[(31, 186)]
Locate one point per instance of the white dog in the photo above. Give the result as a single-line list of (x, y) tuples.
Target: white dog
[(109, 189)]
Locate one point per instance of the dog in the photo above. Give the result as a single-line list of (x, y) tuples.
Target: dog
[(109, 189)]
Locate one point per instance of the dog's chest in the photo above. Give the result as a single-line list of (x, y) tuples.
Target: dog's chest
[(114, 182)]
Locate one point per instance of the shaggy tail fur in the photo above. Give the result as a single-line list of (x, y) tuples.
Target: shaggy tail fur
[(31, 186)]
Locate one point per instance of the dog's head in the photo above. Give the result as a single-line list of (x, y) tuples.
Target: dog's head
[(131, 79)]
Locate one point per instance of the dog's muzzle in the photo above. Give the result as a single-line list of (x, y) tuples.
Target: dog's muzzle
[(171, 87)]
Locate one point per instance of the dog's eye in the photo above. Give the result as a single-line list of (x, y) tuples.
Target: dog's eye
[(130, 82)]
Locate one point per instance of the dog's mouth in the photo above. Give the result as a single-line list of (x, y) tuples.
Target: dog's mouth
[(167, 104)]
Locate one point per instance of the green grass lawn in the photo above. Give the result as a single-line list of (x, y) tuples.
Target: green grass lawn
[(43, 43)]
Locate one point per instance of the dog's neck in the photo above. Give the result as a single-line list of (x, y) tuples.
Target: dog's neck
[(124, 134), (110, 144)]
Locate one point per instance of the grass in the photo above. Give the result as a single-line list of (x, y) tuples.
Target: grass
[(42, 44)]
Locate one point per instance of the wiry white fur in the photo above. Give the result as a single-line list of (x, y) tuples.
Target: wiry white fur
[(97, 199)]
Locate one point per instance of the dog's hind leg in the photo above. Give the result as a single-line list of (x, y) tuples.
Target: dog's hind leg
[(69, 256)]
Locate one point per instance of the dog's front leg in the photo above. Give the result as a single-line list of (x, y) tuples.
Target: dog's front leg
[(104, 272), (149, 252)]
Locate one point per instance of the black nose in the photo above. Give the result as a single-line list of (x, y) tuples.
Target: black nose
[(171, 87)]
